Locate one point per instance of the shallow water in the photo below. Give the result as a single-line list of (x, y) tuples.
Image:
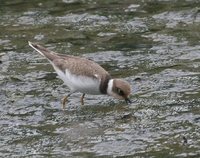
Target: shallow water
[(152, 44)]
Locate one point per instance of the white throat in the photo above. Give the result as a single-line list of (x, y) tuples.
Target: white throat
[(110, 86)]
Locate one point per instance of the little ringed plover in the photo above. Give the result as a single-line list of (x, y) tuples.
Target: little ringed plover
[(85, 76)]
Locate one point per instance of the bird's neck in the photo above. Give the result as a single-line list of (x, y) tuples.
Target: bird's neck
[(104, 84), (110, 86)]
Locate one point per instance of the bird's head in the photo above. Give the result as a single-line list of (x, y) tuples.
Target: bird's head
[(119, 89)]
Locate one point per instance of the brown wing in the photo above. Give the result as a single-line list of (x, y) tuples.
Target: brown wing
[(79, 66)]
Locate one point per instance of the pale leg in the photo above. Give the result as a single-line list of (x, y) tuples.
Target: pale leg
[(65, 99), (82, 97)]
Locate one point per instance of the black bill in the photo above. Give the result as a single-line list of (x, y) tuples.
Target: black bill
[(128, 101)]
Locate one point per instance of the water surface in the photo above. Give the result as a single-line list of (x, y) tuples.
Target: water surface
[(152, 44)]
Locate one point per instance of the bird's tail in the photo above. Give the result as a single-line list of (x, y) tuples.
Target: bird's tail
[(43, 51)]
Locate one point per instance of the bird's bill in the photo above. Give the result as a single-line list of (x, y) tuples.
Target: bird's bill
[(128, 101)]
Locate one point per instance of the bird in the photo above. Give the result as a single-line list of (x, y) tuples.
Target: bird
[(84, 75)]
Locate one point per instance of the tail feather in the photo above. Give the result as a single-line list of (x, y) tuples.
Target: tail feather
[(43, 51)]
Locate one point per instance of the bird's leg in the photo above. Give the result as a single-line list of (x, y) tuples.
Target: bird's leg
[(65, 100), (82, 97)]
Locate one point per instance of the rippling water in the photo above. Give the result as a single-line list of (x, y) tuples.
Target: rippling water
[(152, 44)]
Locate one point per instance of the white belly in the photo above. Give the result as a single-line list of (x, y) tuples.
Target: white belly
[(79, 83)]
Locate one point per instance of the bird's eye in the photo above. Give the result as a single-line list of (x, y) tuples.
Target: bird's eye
[(120, 92)]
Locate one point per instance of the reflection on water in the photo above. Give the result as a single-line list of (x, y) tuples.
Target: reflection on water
[(154, 45)]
